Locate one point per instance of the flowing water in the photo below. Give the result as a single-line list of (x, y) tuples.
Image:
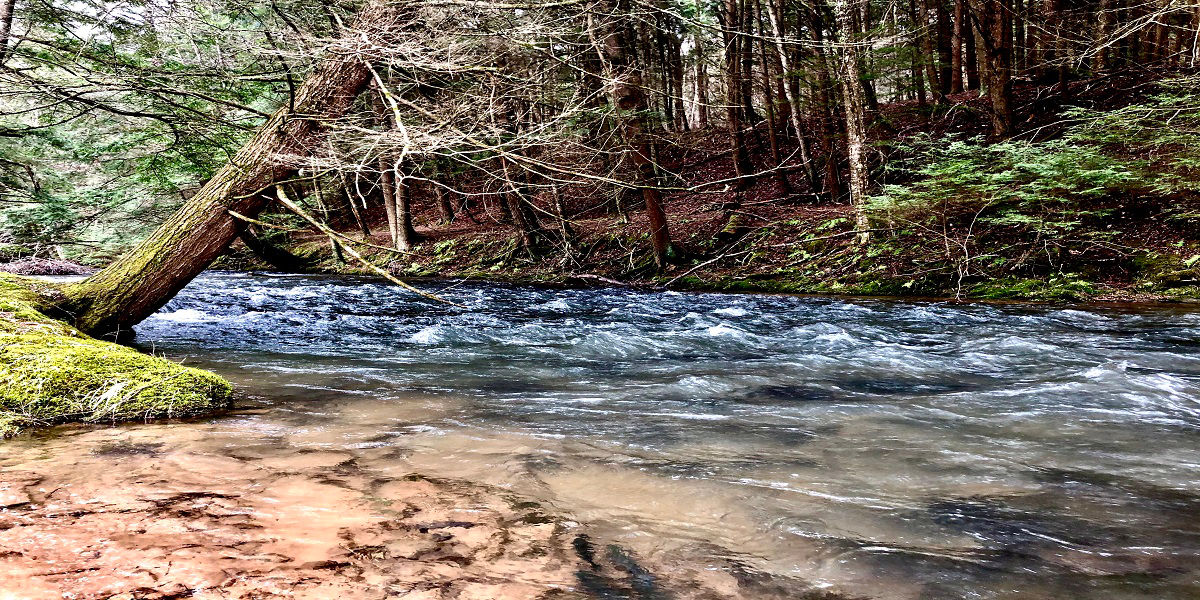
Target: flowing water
[(878, 449)]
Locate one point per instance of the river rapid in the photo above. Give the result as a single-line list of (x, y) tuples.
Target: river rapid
[(750, 446)]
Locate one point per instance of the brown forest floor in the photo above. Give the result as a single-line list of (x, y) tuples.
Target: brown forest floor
[(763, 239)]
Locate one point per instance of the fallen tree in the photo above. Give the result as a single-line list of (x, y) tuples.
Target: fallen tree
[(136, 285), (51, 372)]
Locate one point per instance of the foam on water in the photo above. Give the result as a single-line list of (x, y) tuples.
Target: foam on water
[(732, 311), (187, 315)]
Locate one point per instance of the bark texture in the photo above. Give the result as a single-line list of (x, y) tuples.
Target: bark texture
[(144, 279), (996, 34)]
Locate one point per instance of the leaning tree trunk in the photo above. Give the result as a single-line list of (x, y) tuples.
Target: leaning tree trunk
[(278, 257), (144, 279)]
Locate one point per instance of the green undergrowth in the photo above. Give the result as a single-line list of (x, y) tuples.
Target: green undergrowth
[(52, 373), (1058, 288)]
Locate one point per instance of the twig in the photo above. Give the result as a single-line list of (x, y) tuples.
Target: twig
[(827, 237), (603, 279), (702, 265), (333, 236)]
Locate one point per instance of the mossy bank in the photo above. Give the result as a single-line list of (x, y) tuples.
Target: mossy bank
[(52, 373)]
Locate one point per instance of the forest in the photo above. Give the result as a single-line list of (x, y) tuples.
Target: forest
[(567, 299), (970, 149)]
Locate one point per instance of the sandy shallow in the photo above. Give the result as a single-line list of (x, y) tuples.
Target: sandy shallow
[(152, 512)]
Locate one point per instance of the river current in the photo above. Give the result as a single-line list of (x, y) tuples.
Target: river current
[(873, 448)]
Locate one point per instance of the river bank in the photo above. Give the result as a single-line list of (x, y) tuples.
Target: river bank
[(1094, 205), (52, 373), (779, 260)]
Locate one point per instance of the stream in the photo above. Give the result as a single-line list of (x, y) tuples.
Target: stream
[(753, 446)]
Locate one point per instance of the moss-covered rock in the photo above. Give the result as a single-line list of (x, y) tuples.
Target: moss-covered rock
[(1058, 288), (52, 373)]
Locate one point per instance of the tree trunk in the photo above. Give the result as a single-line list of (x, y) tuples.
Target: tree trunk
[(997, 42), (773, 62), (781, 176), (828, 111), (856, 127), (970, 56), (1048, 39), (733, 109), (701, 83), (387, 174), (676, 56), (749, 115), (1019, 30), (785, 61), (928, 55), (945, 35), (629, 97), (917, 56), (387, 187), (8, 10), (866, 70), (406, 236), (665, 91), (358, 219), (517, 205), (279, 258), (443, 203), (564, 226), (144, 279), (956, 48)]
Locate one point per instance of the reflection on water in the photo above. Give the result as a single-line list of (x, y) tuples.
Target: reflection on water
[(876, 449)]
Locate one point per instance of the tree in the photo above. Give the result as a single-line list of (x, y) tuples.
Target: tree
[(140, 282), (8, 9), (614, 38), (853, 97), (734, 102), (991, 19)]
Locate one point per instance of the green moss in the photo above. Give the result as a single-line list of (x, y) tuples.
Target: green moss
[(10, 424), (1187, 292), (1162, 271), (1056, 288), (887, 286), (52, 373)]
